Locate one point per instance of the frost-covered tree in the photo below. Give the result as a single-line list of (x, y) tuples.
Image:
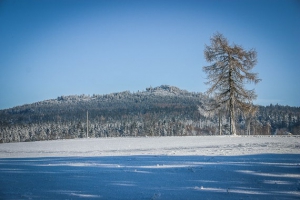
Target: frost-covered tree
[(211, 108), (249, 116), (230, 71)]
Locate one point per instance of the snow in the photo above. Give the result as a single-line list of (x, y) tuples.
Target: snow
[(206, 167), (190, 145)]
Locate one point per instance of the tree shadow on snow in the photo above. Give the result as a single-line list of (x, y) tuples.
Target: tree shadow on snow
[(263, 176)]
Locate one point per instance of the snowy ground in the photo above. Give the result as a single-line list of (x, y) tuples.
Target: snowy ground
[(213, 167)]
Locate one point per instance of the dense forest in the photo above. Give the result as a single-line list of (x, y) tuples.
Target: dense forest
[(159, 111)]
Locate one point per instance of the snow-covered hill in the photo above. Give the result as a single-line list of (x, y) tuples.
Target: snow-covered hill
[(159, 111)]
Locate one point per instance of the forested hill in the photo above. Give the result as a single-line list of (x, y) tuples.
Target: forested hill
[(159, 111)]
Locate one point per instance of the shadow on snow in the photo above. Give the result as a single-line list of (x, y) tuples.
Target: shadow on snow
[(263, 176)]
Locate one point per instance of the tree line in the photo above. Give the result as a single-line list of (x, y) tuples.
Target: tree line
[(159, 111)]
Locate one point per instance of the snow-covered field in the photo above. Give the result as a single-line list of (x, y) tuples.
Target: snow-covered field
[(211, 167)]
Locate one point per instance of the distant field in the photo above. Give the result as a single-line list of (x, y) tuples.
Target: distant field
[(216, 167)]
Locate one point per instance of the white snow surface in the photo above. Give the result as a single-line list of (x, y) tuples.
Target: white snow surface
[(188, 145), (198, 167)]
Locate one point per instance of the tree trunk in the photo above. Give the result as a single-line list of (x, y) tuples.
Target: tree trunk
[(231, 101), (232, 119), (248, 127), (220, 127)]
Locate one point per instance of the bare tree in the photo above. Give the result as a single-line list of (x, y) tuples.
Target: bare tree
[(230, 71), (211, 107), (249, 115)]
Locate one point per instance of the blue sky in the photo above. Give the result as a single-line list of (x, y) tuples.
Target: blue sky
[(50, 48)]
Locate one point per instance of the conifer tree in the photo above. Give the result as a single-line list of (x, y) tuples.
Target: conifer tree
[(230, 71)]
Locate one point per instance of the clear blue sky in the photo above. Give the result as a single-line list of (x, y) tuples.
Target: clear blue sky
[(50, 48)]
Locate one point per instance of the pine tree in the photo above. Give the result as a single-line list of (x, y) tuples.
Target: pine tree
[(230, 71)]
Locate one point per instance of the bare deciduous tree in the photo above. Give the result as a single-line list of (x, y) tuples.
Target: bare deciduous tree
[(249, 115), (230, 71)]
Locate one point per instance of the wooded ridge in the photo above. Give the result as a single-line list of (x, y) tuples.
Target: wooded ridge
[(160, 111)]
